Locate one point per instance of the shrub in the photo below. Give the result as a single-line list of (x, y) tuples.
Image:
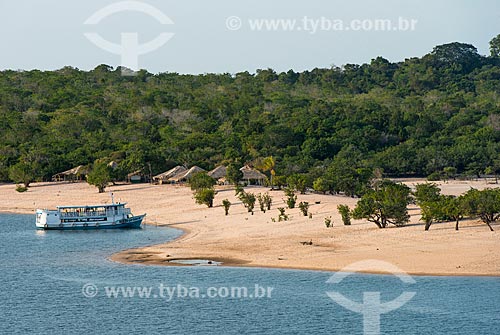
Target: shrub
[(435, 176), (262, 203), (345, 213), (201, 181), (205, 196), (226, 203), (21, 188), (283, 216), (248, 200), (268, 201), (291, 198), (304, 207), (328, 222)]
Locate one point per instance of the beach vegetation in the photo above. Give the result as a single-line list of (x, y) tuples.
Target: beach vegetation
[(21, 188), (385, 204), (304, 207), (291, 198), (248, 200), (201, 181), (226, 204), (282, 216), (345, 213), (483, 204), (205, 196), (99, 176)]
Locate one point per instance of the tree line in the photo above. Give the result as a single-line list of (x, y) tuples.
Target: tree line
[(328, 128)]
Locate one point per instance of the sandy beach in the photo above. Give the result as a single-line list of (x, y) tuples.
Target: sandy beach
[(242, 239)]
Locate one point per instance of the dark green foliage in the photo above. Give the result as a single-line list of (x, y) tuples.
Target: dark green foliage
[(248, 200), (415, 117), (205, 196), (304, 207), (484, 204), (291, 198), (384, 205), (282, 216), (22, 173), (495, 47), (428, 192), (99, 176), (200, 181), (226, 203), (297, 182), (233, 174), (321, 185), (267, 200), (345, 213), (262, 203), (21, 189)]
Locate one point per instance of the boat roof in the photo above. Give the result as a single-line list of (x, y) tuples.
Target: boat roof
[(93, 206)]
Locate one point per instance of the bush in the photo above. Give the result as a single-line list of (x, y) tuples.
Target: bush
[(283, 216), (297, 182), (321, 185), (262, 204), (200, 181), (205, 196), (345, 213), (21, 188), (226, 203), (328, 222), (435, 176), (304, 207), (268, 201), (291, 198), (248, 200)]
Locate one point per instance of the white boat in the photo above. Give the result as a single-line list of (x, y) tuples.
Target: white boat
[(107, 216)]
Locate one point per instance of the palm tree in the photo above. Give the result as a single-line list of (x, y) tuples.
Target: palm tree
[(267, 164)]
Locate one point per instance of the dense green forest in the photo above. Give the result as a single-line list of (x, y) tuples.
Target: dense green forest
[(417, 117)]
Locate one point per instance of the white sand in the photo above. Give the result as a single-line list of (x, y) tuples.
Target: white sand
[(254, 240)]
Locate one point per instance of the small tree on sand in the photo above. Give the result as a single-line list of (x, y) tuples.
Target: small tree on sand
[(205, 196), (384, 205), (484, 204), (304, 207), (22, 173), (345, 213), (99, 176), (226, 203), (248, 200)]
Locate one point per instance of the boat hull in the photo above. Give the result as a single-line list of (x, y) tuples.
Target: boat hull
[(134, 222)]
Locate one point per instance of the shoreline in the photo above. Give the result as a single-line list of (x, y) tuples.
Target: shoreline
[(255, 241)]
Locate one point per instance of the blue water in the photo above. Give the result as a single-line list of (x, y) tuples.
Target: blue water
[(42, 275)]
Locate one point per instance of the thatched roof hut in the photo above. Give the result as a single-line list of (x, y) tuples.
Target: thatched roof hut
[(252, 175), (75, 174), (184, 176), (165, 176), (218, 173)]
